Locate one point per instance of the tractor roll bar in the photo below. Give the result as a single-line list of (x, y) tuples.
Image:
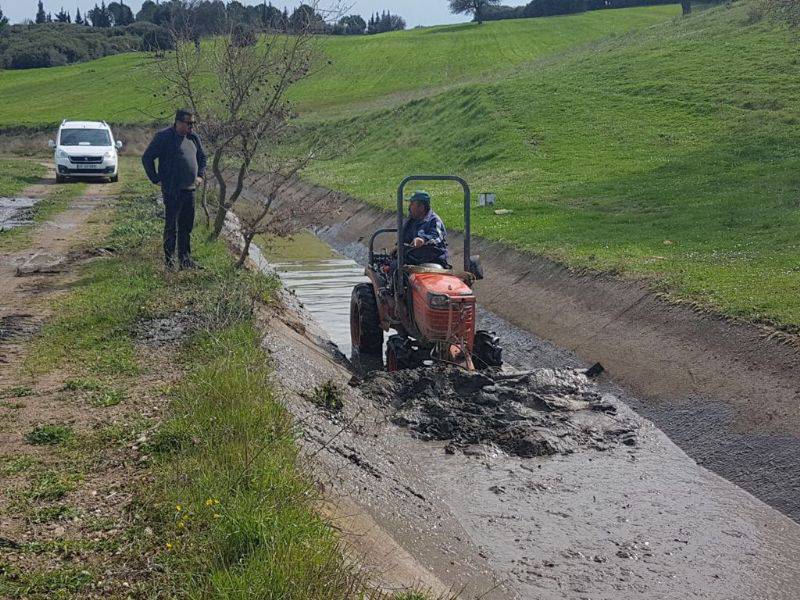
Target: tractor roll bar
[(372, 243), (400, 214)]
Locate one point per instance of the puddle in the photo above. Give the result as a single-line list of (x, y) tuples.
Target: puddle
[(16, 212), (320, 278)]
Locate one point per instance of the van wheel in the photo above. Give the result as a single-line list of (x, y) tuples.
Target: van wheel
[(114, 179), (60, 179)]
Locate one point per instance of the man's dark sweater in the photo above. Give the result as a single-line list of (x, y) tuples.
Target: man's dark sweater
[(180, 161)]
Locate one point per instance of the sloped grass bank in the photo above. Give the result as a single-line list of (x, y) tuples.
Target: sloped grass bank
[(667, 153), (239, 511), (223, 509)]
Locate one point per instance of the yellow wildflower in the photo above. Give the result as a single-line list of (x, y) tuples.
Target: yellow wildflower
[(178, 508), (169, 546)]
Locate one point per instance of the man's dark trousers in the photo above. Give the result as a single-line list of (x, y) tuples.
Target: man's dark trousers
[(178, 223)]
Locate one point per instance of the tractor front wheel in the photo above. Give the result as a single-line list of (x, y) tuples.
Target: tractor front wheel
[(366, 334), (486, 349), (399, 354)]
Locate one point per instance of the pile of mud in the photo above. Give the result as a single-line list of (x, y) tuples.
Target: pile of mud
[(530, 413)]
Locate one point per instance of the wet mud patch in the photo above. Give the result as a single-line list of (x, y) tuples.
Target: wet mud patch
[(531, 413), (18, 328), (164, 331), (16, 212)]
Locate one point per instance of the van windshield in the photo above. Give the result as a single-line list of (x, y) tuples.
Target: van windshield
[(85, 137)]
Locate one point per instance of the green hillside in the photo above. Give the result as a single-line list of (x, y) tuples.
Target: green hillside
[(669, 153), (364, 70), (629, 141)]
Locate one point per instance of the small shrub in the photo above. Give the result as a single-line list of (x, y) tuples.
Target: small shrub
[(782, 10), (327, 396), (49, 435)]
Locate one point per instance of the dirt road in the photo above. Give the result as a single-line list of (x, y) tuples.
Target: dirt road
[(63, 507)]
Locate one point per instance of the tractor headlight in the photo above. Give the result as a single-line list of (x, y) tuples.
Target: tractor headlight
[(439, 300)]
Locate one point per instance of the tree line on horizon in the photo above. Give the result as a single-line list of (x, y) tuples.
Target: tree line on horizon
[(49, 40), (492, 10), (215, 16)]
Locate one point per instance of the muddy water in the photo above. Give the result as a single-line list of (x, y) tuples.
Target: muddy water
[(16, 212), (322, 280)]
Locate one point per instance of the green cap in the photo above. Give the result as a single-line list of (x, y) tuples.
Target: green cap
[(420, 196)]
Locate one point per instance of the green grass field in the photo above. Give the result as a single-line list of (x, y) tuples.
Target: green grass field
[(122, 89), (628, 141), (668, 153)]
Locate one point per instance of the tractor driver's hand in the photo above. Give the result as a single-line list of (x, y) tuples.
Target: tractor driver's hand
[(418, 243)]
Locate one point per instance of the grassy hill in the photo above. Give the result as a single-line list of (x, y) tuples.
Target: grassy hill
[(629, 141), (669, 153), (364, 70)]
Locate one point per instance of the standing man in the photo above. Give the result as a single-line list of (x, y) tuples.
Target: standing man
[(181, 168)]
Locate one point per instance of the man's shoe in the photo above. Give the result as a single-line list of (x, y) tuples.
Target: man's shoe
[(187, 264), (171, 264)]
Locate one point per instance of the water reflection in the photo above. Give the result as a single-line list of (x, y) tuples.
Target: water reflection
[(324, 287)]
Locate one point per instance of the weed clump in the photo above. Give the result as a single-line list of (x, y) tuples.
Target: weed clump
[(49, 435), (328, 396)]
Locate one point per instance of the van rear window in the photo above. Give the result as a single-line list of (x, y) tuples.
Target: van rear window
[(85, 137)]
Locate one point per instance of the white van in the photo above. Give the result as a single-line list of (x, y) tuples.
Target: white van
[(86, 149)]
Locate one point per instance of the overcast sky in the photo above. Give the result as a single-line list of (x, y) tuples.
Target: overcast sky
[(415, 12)]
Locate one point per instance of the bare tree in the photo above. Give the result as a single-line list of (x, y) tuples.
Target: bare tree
[(237, 84), (256, 215)]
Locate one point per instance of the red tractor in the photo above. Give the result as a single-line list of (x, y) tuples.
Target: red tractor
[(432, 308)]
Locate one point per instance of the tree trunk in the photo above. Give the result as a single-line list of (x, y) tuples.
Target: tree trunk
[(219, 221), (248, 239), (205, 204), (686, 5)]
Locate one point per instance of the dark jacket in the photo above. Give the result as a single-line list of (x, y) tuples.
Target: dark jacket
[(431, 229), (166, 147)]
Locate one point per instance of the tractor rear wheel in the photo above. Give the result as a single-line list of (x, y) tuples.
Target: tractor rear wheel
[(486, 349), (366, 334), (399, 354)]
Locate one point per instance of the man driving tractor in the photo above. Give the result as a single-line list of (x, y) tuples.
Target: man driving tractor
[(424, 233)]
